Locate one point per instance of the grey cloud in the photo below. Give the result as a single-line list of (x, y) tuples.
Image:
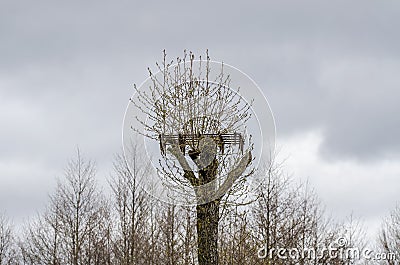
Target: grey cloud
[(353, 99), (68, 66)]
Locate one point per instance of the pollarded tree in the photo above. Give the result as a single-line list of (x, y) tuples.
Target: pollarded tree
[(200, 124)]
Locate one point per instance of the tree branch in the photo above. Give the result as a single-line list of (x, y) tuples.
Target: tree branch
[(188, 172)]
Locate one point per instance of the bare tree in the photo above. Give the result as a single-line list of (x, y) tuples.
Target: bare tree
[(76, 228), (42, 239), (188, 235), (7, 246), (276, 214), (79, 227), (194, 117), (132, 205), (389, 237), (237, 244), (289, 216), (148, 231), (83, 215), (169, 223)]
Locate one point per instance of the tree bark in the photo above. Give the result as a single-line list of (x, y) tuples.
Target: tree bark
[(207, 232), (208, 212), (207, 220)]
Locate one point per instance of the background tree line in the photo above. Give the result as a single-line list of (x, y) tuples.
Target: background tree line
[(83, 225)]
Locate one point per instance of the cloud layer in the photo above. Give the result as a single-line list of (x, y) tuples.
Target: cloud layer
[(67, 68)]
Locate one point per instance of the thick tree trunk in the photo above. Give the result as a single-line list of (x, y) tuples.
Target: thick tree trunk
[(207, 220), (207, 232), (208, 212)]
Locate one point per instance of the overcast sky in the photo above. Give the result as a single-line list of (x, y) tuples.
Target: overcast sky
[(330, 70)]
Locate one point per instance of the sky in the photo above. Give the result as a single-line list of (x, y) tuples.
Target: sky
[(329, 69)]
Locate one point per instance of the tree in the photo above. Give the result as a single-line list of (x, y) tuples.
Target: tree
[(83, 215), (145, 234), (389, 238), (76, 228), (132, 242), (194, 117), (42, 239), (237, 244), (7, 247), (289, 216)]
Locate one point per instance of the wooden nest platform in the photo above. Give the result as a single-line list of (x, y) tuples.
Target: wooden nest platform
[(183, 140)]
